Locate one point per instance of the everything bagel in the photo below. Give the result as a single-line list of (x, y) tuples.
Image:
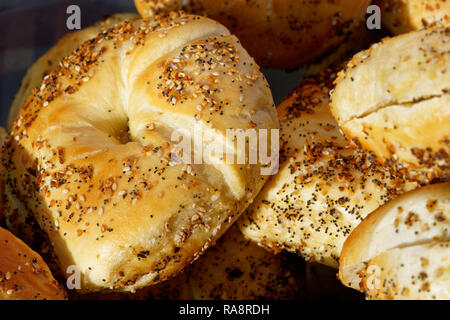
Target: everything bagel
[(23, 273), (90, 150), (325, 186), (277, 33)]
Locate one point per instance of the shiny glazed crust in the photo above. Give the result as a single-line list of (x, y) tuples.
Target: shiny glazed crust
[(278, 33), (90, 152)]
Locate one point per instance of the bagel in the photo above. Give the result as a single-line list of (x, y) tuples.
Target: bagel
[(400, 16), (278, 34), (90, 152), (394, 101), (23, 273), (20, 220), (237, 269), (51, 58), (405, 244), (325, 186)]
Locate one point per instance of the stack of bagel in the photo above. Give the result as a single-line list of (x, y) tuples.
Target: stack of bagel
[(100, 204)]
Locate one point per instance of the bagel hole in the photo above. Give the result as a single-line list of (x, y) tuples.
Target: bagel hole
[(123, 134)]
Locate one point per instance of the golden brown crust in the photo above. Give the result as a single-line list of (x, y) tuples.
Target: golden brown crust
[(401, 16), (142, 217), (50, 60), (325, 186), (19, 219), (279, 33), (23, 273), (392, 240), (393, 100)]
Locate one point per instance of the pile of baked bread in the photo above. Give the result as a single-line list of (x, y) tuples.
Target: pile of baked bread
[(93, 205)]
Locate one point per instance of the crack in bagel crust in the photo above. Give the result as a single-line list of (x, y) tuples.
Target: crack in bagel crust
[(399, 108), (119, 209), (406, 104)]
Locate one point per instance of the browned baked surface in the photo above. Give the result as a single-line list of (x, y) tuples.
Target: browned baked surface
[(68, 163), (279, 33), (23, 273)]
